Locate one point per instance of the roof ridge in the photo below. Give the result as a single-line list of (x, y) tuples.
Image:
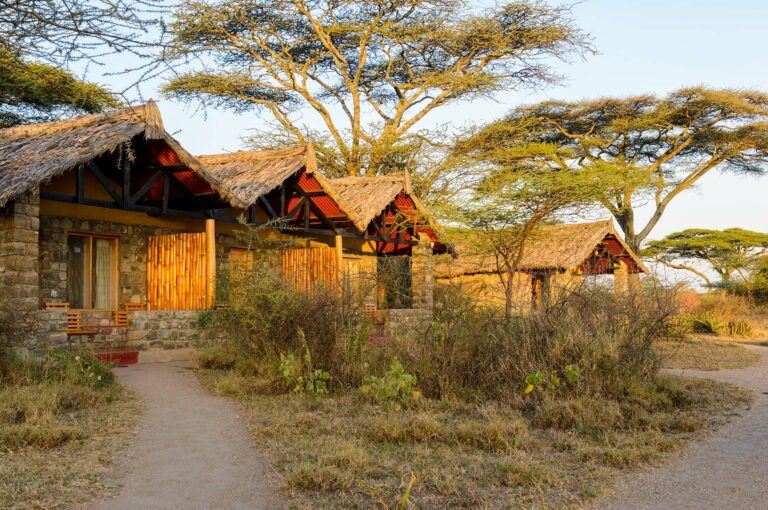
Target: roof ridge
[(249, 154), (141, 112)]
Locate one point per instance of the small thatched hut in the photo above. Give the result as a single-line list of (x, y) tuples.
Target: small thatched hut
[(389, 211), (556, 258)]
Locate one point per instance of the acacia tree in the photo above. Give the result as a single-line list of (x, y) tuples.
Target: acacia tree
[(646, 148), (729, 251), (507, 208), (371, 70), (40, 39)]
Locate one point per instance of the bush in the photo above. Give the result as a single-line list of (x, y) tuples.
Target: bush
[(273, 329), (718, 313), (593, 337), (592, 342), (706, 323), (395, 385)]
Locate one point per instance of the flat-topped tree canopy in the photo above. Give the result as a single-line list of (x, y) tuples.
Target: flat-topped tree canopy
[(284, 183), (589, 248), (387, 206), (136, 160)]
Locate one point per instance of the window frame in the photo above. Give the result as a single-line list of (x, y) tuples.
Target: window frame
[(88, 290)]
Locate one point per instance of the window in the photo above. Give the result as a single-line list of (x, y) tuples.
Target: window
[(92, 271)]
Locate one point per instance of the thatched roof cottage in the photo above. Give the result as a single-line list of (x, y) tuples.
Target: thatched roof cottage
[(104, 214), (555, 258)]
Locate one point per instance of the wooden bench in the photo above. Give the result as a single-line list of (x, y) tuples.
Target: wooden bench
[(75, 326), (56, 305), (121, 318)]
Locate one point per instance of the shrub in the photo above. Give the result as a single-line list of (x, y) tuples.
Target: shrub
[(739, 328), (395, 385), (595, 338), (706, 322), (720, 312), (273, 328)]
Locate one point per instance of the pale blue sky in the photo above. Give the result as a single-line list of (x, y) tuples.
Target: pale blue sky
[(644, 46)]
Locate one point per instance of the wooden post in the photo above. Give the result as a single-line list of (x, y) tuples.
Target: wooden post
[(338, 244), (210, 259), (620, 278)]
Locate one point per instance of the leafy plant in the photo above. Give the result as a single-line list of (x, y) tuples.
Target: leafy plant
[(205, 319), (394, 385), (536, 381), (299, 374), (706, 322)]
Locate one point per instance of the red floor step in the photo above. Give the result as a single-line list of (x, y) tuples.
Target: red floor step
[(119, 357)]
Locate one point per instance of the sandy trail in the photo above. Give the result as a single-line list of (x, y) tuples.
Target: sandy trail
[(725, 471), (192, 450)]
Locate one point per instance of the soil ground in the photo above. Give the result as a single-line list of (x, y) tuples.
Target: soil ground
[(727, 470), (192, 450)]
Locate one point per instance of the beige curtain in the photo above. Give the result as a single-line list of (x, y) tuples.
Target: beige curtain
[(102, 273)]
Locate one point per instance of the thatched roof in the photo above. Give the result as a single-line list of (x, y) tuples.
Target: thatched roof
[(367, 197), (249, 175), (32, 154), (554, 247)]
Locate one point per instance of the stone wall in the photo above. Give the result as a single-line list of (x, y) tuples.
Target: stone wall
[(422, 280), (403, 322), (147, 330), (132, 252), (19, 225)]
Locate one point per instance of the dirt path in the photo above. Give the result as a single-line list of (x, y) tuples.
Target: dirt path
[(192, 450), (725, 471)]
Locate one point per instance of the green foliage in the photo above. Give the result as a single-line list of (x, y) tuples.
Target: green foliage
[(729, 251), (641, 146), (706, 322), (394, 386), (264, 317), (369, 70), (205, 318), (536, 381), (593, 342), (33, 92), (39, 39), (299, 374)]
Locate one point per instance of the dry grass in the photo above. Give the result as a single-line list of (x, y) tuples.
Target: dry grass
[(332, 452), (57, 441), (706, 353)]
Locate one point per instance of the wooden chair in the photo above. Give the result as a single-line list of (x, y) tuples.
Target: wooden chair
[(56, 305), (370, 313), (121, 318), (135, 307), (75, 326)]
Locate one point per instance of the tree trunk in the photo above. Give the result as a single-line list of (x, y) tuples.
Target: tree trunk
[(508, 294), (626, 221)]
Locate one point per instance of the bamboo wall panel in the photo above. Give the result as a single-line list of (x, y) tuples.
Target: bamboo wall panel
[(311, 269), (177, 272)]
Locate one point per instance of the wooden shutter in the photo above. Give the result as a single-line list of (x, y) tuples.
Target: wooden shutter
[(311, 269), (178, 272)]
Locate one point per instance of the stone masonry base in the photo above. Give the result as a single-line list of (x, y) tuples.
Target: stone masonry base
[(147, 330)]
